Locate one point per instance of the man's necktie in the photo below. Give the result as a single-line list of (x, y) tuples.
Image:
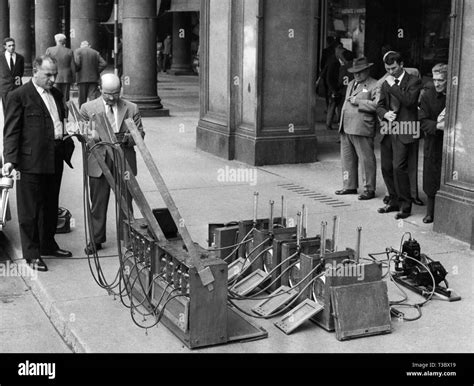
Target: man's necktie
[(394, 102), (111, 118), (356, 84), (12, 64)]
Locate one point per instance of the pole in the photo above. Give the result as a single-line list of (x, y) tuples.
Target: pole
[(116, 37)]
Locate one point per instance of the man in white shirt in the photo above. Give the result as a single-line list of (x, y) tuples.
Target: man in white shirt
[(34, 146), (116, 111)]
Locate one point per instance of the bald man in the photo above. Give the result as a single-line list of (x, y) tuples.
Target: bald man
[(66, 67), (116, 110)]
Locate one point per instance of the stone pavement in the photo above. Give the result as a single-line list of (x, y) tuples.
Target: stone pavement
[(90, 320)]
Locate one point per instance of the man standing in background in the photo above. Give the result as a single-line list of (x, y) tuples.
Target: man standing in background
[(66, 66), (398, 107), (12, 67), (167, 52), (431, 115), (357, 128), (89, 65)]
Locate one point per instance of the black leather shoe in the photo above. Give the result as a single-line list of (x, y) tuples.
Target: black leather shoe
[(38, 265), (57, 253), (346, 191), (386, 200), (367, 196), (428, 219), (402, 215), (388, 209), (91, 248), (417, 201)]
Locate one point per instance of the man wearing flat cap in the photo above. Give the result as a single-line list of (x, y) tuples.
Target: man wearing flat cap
[(357, 128)]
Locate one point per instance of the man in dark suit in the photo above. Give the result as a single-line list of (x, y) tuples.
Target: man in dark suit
[(432, 118), (12, 67), (66, 66), (398, 110), (89, 65), (116, 110), (34, 146)]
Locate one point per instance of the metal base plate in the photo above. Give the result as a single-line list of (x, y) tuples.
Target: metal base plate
[(251, 282), (277, 299), (235, 268), (298, 315), (440, 292)]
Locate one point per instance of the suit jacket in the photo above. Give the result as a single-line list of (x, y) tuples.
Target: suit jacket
[(89, 65), (125, 110), (28, 141), (405, 97), (66, 65), (360, 120), (10, 80)]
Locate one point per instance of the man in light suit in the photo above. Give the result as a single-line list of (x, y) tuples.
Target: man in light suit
[(357, 128), (397, 108), (34, 146), (89, 65), (12, 67), (66, 66), (116, 110)]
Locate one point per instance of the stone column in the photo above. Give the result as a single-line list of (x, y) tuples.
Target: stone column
[(139, 59), (257, 81), (46, 24), (20, 30), (454, 203), (83, 23), (4, 19), (181, 62)]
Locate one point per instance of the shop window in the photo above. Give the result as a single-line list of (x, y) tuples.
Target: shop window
[(346, 21)]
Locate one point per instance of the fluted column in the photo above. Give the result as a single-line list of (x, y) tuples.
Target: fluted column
[(83, 23), (139, 59), (4, 19), (20, 29), (181, 62), (46, 24)]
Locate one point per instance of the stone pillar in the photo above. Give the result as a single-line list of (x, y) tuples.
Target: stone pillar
[(454, 204), (257, 81), (20, 30), (46, 24), (181, 62), (139, 60), (4, 19), (83, 23)]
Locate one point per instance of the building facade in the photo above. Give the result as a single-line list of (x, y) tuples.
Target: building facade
[(259, 60)]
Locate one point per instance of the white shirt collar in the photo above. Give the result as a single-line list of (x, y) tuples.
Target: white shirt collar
[(40, 90), (7, 55)]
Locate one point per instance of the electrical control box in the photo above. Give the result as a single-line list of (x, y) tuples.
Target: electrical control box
[(197, 315), (224, 240), (339, 269)]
